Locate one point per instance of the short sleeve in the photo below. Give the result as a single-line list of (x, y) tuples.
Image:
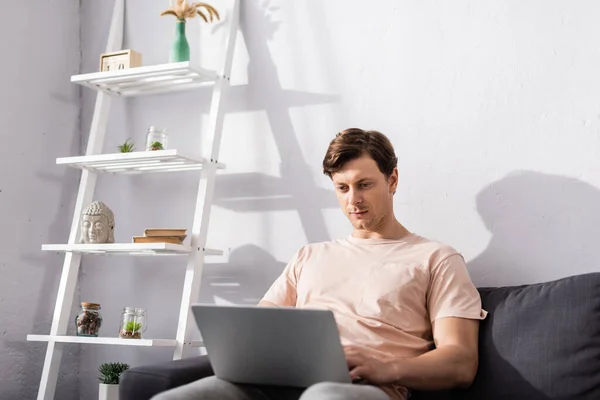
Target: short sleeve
[(283, 291), (451, 292)]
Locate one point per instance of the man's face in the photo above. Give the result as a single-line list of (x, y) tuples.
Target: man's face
[(364, 193)]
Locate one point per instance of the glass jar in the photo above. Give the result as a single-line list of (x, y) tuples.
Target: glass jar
[(156, 139), (89, 320), (133, 323)]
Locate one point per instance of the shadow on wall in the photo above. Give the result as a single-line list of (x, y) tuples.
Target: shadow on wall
[(265, 92), (244, 279), (248, 192), (543, 227)]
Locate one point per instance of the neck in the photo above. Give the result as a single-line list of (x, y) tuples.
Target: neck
[(393, 230)]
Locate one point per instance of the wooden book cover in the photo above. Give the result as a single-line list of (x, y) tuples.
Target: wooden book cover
[(157, 239), (165, 232)]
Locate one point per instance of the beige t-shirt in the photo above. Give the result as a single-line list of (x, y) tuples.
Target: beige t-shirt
[(384, 293)]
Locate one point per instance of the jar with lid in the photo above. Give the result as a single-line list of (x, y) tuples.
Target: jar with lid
[(156, 138), (89, 319), (133, 323)]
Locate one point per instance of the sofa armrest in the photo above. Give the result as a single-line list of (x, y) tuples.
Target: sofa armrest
[(143, 382)]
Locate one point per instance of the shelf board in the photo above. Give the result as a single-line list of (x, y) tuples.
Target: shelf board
[(103, 340), (127, 248), (151, 79), (137, 162)]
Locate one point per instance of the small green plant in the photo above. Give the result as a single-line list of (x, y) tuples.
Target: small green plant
[(133, 326), (110, 373), (131, 330), (156, 146), (126, 147)]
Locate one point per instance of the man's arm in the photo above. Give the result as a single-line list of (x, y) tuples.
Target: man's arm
[(264, 303), (453, 363), (283, 291)]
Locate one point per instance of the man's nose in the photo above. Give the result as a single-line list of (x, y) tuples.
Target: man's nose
[(354, 197)]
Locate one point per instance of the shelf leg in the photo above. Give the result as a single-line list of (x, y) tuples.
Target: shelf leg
[(204, 199), (72, 261)]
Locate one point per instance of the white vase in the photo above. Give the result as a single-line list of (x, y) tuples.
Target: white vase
[(108, 392)]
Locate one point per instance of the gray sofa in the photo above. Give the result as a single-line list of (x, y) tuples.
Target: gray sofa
[(539, 342)]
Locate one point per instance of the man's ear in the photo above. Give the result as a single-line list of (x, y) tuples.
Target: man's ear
[(393, 181)]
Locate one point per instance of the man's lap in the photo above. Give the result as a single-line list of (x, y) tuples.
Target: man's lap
[(213, 388)]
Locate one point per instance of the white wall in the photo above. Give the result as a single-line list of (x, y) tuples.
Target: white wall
[(39, 110), (493, 106)]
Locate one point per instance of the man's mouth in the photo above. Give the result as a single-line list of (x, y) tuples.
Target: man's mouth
[(358, 212)]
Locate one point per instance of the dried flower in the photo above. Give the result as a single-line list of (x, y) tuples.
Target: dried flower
[(183, 10)]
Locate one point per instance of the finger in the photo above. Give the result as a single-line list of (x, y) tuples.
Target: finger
[(352, 352), (358, 372), (352, 361), (356, 358)]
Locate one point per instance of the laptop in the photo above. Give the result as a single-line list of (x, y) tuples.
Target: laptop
[(281, 346)]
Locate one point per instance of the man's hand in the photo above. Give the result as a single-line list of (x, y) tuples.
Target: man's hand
[(452, 364), (379, 371)]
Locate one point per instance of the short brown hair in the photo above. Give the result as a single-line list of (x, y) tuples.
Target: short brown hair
[(354, 143)]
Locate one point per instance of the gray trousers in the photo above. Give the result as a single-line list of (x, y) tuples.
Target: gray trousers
[(213, 388)]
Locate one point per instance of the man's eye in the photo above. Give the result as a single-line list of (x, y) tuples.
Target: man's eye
[(365, 185), (342, 188)]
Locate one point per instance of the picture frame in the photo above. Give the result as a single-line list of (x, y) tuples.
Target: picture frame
[(121, 59)]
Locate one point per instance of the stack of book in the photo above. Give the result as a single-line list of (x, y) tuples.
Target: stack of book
[(175, 236)]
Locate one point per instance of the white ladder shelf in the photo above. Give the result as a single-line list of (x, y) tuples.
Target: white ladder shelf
[(146, 80)]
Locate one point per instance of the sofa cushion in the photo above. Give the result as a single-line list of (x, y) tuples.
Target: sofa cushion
[(540, 341), (143, 382)]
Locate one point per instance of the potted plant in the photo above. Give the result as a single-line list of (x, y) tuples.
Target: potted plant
[(133, 323), (110, 374), (156, 146), (131, 330), (126, 147)]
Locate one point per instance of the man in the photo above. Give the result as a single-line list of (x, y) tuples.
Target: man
[(407, 311)]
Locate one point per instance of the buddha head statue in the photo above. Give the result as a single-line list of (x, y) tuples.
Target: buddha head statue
[(97, 224)]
